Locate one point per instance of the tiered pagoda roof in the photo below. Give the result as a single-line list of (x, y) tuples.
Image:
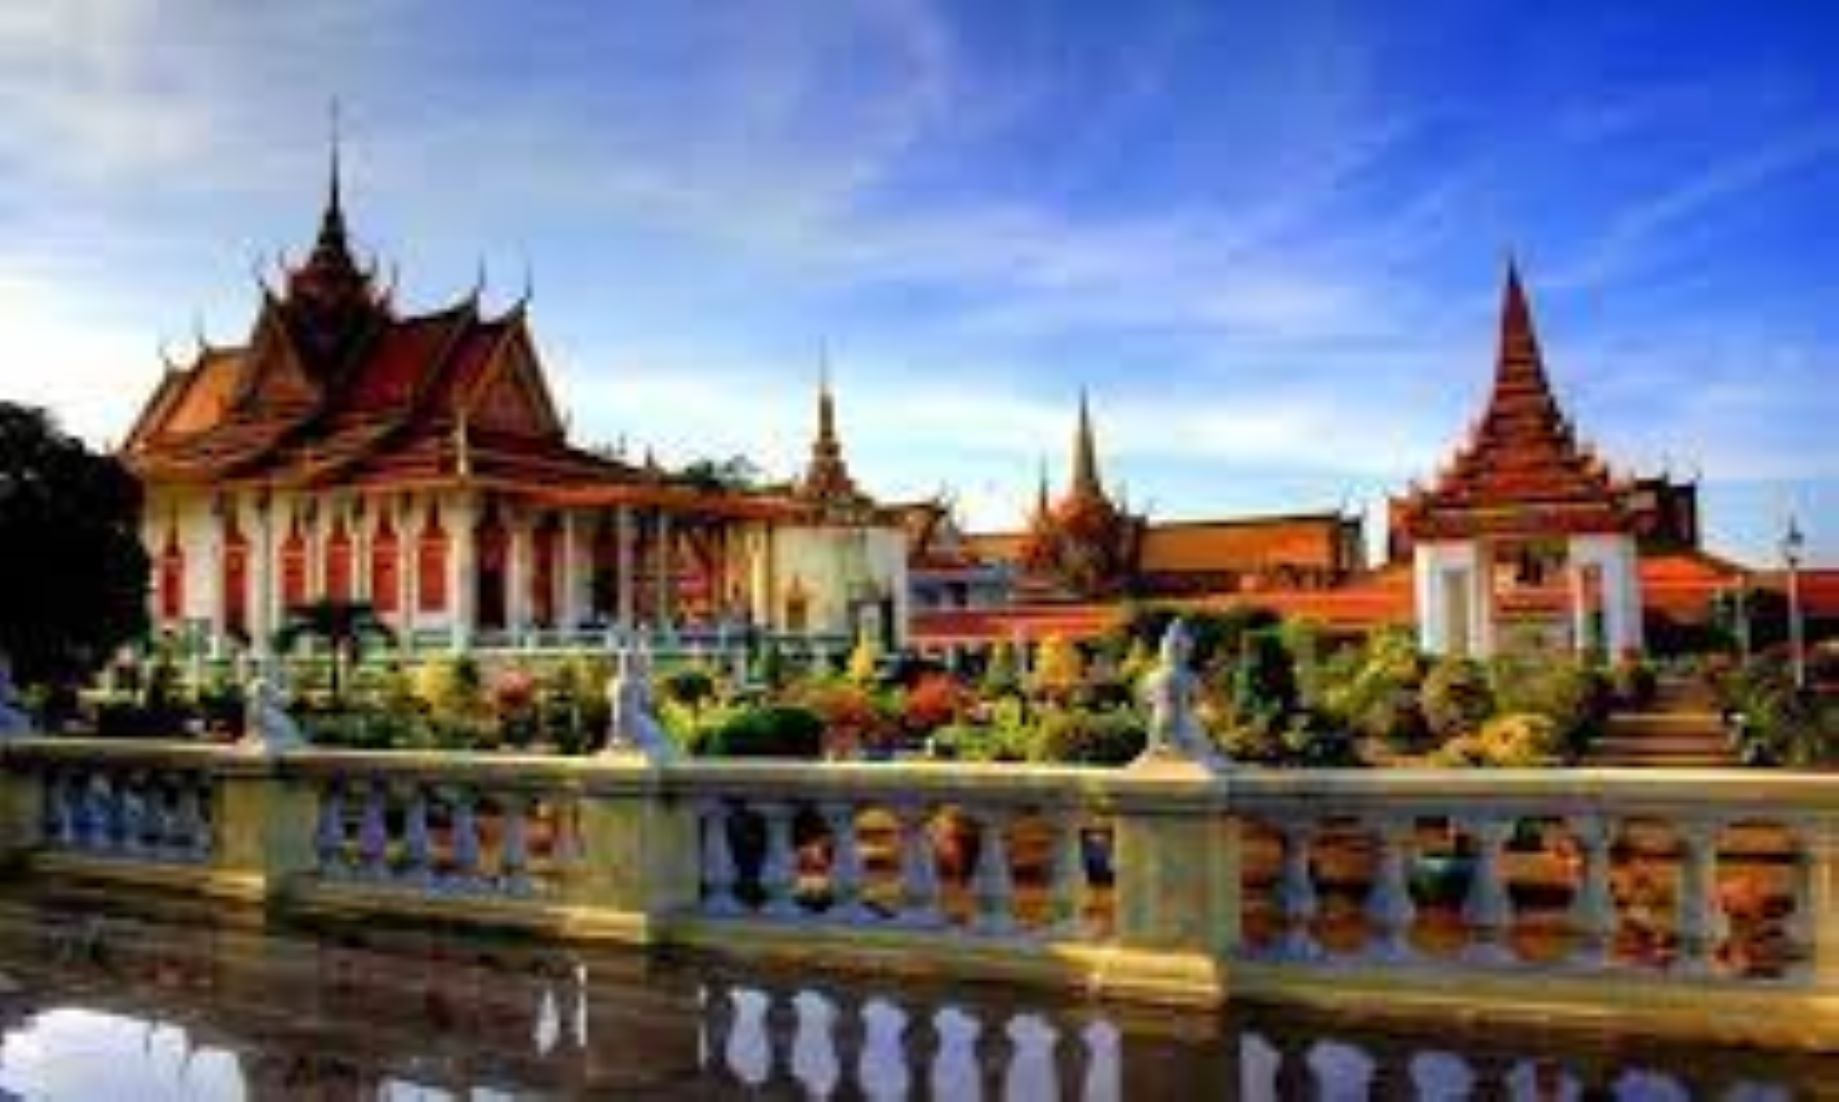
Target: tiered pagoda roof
[(827, 487), (335, 388), (1522, 472)]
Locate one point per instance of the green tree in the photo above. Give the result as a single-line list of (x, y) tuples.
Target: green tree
[(343, 626), (75, 585)]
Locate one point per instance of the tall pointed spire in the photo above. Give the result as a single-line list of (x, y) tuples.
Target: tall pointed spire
[(1085, 455), (1042, 504), (1519, 366), (827, 481), (330, 300)]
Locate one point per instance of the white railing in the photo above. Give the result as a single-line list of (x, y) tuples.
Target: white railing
[(1564, 872), (916, 847), (426, 826)]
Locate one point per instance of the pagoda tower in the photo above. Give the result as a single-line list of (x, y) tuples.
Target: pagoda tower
[(1521, 503), (1084, 545)]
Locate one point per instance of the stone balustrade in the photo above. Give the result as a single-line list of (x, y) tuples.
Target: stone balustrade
[(1703, 901), (156, 813), (428, 828), (985, 854)]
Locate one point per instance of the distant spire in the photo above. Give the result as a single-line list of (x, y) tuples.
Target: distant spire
[(1042, 505), (1085, 454), (826, 402), (827, 480), (333, 197)]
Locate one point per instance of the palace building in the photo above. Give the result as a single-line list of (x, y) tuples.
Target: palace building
[(418, 462), (1524, 539)]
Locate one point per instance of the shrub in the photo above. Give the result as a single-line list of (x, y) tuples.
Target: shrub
[(1263, 680), (864, 660), (690, 686), (1058, 669), (451, 686), (1519, 740), (1634, 682), (1574, 696), (1457, 698), (776, 731), (852, 717), (933, 701), (1000, 676), (974, 742), (1074, 735)]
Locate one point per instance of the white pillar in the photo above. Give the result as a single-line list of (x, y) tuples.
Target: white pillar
[(623, 580), (462, 564), (1615, 556), (363, 526), (1580, 605), (569, 610), (518, 607), (1481, 600), (410, 518), (1427, 588), (217, 596), (663, 557)]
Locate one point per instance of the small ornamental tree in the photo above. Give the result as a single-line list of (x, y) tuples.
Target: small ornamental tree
[(999, 674), (1058, 668), (864, 660), (75, 585)]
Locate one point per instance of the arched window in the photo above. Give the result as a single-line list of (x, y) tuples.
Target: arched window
[(385, 570), (338, 561), (172, 576), (431, 563), (294, 566)]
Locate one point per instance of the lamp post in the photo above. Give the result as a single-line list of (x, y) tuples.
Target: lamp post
[(1793, 542)]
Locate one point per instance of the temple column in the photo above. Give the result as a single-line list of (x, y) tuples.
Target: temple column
[(1615, 557), (261, 574), (216, 595), (411, 517), (1577, 582), (462, 566), (663, 569), (569, 612), (623, 581), (1481, 600), (364, 523), (518, 606)]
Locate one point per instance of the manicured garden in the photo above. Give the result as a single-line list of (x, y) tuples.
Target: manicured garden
[(1274, 692)]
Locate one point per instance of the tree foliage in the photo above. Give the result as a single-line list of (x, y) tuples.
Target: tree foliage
[(75, 585)]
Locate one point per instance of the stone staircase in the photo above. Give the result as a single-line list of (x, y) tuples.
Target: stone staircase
[(1680, 729)]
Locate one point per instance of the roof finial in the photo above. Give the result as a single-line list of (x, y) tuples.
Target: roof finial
[(1085, 453), (332, 190)]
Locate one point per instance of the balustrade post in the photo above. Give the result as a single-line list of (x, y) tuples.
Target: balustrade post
[(1701, 924), (464, 828), (641, 858), (718, 874), (260, 832), (849, 1041), (1070, 891), (1176, 864), (417, 845), (919, 868), (1296, 894), (1488, 909), (993, 881), (778, 868), (1593, 906), (373, 832), (1817, 900), (845, 863), (29, 807), (514, 851), (329, 838), (1389, 906)]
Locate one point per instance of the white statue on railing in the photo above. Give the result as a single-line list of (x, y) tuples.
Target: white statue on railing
[(13, 719), (633, 727), (267, 728), (1170, 692)]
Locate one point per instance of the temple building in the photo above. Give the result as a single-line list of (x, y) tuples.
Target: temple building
[(1087, 545), (1526, 539), (350, 452)]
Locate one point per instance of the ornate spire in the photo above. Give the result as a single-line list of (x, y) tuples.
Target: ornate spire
[(1519, 368), (1085, 455), (329, 297), (1042, 505), (827, 480)]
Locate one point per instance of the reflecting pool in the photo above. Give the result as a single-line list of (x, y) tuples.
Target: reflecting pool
[(100, 1001)]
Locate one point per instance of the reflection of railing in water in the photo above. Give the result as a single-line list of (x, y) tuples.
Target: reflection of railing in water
[(352, 1011)]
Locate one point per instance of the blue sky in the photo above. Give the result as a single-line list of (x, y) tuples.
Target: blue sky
[(1269, 241)]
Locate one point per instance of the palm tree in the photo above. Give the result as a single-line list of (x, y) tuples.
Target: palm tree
[(344, 626)]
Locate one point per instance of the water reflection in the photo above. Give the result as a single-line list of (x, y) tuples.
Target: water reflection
[(175, 1006)]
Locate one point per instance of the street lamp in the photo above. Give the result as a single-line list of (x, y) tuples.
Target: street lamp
[(1793, 543)]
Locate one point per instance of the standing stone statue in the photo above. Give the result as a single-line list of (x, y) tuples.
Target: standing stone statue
[(1170, 692), (267, 728), (13, 719), (633, 727)]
